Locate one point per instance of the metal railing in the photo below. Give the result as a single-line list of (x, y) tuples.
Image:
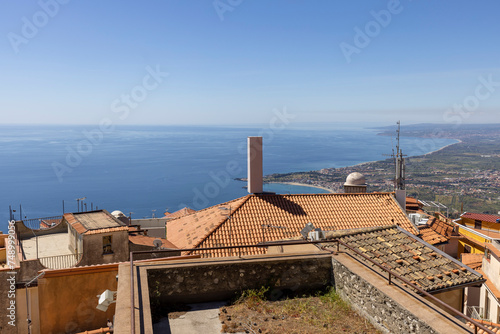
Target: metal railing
[(440, 303), (34, 223), (60, 261)]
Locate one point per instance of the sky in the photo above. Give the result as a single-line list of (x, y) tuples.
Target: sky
[(205, 62)]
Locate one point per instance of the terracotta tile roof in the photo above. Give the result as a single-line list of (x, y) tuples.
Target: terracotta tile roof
[(107, 230), (481, 216), (94, 222), (412, 204), (283, 216), (437, 231), (145, 240), (474, 261), (495, 328), (391, 247), (180, 213)]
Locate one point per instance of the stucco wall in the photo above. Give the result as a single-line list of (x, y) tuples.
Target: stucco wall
[(5, 303), (220, 281), (68, 303), (93, 250)]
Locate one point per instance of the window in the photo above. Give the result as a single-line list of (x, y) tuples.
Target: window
[(477, 224), (106, 245), (498, 314), (467, 249)]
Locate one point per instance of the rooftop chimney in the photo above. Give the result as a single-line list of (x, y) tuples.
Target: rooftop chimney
[(255, 173)]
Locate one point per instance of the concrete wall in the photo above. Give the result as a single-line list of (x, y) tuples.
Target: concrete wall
[(154, 226), (383, 312), (68, 303), (223, 279), (93, 250)]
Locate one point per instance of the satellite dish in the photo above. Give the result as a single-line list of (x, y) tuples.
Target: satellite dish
[(157, 243)]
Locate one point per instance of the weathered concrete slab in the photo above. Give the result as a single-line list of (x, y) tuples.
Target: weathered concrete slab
[(202, 318)]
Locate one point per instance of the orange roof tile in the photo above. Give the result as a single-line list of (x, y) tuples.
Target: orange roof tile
[(430, 236), (408, 256), (474, 261), (180, 213), (481, 216), (267, 217)]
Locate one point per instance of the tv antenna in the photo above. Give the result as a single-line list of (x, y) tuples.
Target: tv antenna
[(399, 162)]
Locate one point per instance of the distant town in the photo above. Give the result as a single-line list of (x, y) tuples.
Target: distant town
[(462, 175)]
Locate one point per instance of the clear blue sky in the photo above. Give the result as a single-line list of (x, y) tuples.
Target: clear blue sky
[(260, 56)]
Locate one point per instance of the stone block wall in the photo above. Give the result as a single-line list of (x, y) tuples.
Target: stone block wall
[(222, 280), (383, 312)]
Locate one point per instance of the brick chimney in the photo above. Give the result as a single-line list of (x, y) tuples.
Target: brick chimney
[(255, 174)]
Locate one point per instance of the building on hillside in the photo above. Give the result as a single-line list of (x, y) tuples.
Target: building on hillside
[(257, 218), (480, 221)]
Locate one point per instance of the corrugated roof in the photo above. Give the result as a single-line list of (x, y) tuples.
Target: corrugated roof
[(94, 222), (481, 216), (427, 267), (267, 217)]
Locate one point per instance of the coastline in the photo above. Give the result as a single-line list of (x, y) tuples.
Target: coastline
[(304, 185), (361, 164), (413, 156)]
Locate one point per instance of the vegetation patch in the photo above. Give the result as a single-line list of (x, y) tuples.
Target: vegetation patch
[(255, 311)]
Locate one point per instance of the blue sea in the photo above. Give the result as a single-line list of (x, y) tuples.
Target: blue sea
[(146, 170)]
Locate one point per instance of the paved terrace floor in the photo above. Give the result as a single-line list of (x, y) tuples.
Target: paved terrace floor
[(48, 245)]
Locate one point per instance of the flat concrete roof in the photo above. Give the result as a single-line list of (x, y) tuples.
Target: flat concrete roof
[(48, 245)]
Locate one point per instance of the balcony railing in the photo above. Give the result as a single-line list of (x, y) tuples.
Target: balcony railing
[(34, 223), (60, 261)]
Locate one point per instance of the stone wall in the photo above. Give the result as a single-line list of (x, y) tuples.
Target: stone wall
[(223, 279), (382, 311)]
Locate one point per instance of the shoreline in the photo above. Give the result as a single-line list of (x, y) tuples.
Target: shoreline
[(303, 185), (413, 156), (363, 163)]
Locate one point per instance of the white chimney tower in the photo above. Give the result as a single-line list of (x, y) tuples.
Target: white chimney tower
[(255, 174)]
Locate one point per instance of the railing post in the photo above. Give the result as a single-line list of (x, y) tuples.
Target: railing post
[(390, 278)]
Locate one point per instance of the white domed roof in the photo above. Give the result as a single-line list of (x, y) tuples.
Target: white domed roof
[(355, 179), (117, 214)]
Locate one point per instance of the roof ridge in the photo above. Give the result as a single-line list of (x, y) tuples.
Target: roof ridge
[(246, 198), (208, 208)]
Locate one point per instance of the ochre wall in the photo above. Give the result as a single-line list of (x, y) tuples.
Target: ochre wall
[(68, 303)]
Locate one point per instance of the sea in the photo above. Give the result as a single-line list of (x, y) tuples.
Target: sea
[(145, 171)]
